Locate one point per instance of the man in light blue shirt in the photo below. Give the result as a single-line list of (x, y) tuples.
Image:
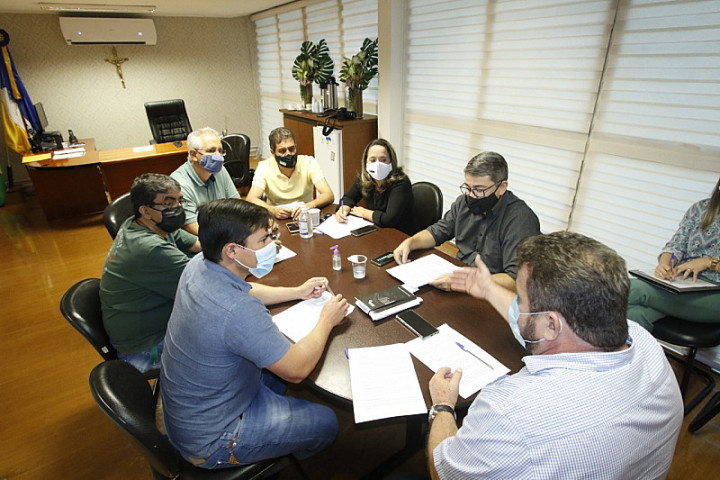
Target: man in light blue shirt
[(596, 398), (203, 178)]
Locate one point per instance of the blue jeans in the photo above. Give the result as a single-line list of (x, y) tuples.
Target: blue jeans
[(144, 361), (274, 425)]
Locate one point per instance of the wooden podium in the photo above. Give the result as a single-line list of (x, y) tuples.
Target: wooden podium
[(357, 133)]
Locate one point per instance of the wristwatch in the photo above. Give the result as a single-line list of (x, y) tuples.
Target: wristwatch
[(435, 409), (714, 263)]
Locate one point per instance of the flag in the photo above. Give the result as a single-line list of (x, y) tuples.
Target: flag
[(18, 112)]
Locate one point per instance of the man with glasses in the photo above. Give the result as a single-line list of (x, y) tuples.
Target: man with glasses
[(487, 219), (203, 177), (287, 180), (142, 270), (596, 399), (225, 363)]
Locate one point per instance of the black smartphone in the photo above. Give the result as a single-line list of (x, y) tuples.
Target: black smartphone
[(359, 232), (293, 227), (416, 324), (383, 259)]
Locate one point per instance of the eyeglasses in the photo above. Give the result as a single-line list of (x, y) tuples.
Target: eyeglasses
[(479, 192), (213, 151), (171, 202)]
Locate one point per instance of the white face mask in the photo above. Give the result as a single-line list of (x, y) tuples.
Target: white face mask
[(264, 257), (379, 170), (514, 314)]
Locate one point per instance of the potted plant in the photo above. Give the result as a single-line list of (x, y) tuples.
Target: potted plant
[(312, 65), (356, 73)]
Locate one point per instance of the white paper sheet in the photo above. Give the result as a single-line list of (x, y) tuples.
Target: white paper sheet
[(441, 350), (423, 270), (384, 383), (337, 230), (298, 321), (284, 254), (144, 148)]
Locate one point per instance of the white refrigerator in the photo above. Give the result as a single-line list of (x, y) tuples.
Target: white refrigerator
[(328, 153)]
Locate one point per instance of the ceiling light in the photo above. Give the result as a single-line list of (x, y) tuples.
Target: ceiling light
[(97, 8)]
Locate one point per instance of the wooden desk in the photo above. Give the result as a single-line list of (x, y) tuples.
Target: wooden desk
[(73, 187), (475, 319)]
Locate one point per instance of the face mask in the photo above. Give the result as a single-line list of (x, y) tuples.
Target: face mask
[(379, 170), (265, 258), (212, 163), (480, 206), (288, 161), (172, 219), (514, 316)]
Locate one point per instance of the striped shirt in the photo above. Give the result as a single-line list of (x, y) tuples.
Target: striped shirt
[(613, 415)]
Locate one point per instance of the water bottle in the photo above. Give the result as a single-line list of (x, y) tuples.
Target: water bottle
[(305, 224), (336, 260)]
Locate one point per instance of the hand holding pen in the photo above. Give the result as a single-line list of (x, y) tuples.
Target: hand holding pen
[(341, 214), (666, 270)]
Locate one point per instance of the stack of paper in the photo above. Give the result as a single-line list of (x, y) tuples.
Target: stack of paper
[(442, 350), (298, 321), (423, 270), (336, 230), (385, 302), (384, 383)]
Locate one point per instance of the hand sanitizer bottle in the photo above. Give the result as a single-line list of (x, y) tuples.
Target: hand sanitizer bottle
[(336, 260), (305, 224)]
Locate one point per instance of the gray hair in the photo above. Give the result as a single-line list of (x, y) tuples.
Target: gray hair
[(488, 163), (147, 186), (194, 140)]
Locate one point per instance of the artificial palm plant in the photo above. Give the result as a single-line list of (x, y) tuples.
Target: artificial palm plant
[(312, 65), (356, 73)]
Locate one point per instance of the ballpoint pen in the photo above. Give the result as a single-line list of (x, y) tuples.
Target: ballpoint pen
[(462, 347)]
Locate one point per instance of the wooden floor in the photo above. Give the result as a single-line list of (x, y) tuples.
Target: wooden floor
[(51, 427)]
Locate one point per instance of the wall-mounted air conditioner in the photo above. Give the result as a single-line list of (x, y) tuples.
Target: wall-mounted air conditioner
[(116, 30)]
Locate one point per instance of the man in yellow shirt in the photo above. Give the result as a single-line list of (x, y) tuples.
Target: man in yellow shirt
[(287, 179)]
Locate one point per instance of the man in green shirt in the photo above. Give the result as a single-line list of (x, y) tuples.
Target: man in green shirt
[(142, 269)]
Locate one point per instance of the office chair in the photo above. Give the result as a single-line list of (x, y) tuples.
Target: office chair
[(81, 307), (125, 397), (428, 205), (168, 120), (117, 212), (692, 335), (237, 158)]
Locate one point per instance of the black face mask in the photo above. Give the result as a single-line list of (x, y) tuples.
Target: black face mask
[(288, 161), (172, 219), (480, 206)]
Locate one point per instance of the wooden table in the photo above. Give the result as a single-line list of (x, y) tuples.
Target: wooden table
[(72, 187)]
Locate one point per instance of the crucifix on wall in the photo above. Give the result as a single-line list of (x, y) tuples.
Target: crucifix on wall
[(117, 61)]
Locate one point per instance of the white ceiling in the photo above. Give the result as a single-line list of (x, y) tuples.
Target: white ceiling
[(165, 8)]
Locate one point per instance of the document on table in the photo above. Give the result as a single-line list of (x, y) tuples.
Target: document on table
[(284, 254), (144, 148), (384, 383), (298, 321), (442, 350), (423, 270), (336, 230), (69, 153)]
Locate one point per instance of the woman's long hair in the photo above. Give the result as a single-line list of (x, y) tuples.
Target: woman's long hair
[(369, 185), (713, 209)]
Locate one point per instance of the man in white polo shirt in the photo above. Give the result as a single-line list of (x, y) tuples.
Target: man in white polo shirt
[(287, 179)]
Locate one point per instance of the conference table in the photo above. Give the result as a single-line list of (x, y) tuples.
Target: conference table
[(68, 187), (473, 318)]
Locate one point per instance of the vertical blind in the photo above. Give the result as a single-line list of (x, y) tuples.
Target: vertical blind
[(344, 24)]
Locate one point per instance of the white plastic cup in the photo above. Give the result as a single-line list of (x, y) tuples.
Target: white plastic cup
[(315, 216), (359, 265)]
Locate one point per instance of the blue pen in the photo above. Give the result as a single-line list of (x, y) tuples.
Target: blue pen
[(462, 347), (347, 353)]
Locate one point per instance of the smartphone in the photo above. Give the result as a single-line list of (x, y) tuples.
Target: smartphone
[(359, 232), (416, 324), (293, 227), (383, 259)]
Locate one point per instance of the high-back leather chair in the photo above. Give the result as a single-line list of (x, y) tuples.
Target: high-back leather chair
[(81, 307), (117, 212), (428, 205), (237, 158), (125, 396), (168, 120)]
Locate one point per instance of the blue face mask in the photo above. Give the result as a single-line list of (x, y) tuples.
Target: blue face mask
[(212, 163), (514, 316), (265, 259)]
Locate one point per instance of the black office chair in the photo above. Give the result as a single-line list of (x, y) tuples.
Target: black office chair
[(168, 120), (81, 307), (237, 158), (692, 335), (117, 212), (125, 397), (428, 205)]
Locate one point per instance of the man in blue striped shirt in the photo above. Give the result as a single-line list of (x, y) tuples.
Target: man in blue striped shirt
[(596, 398)]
